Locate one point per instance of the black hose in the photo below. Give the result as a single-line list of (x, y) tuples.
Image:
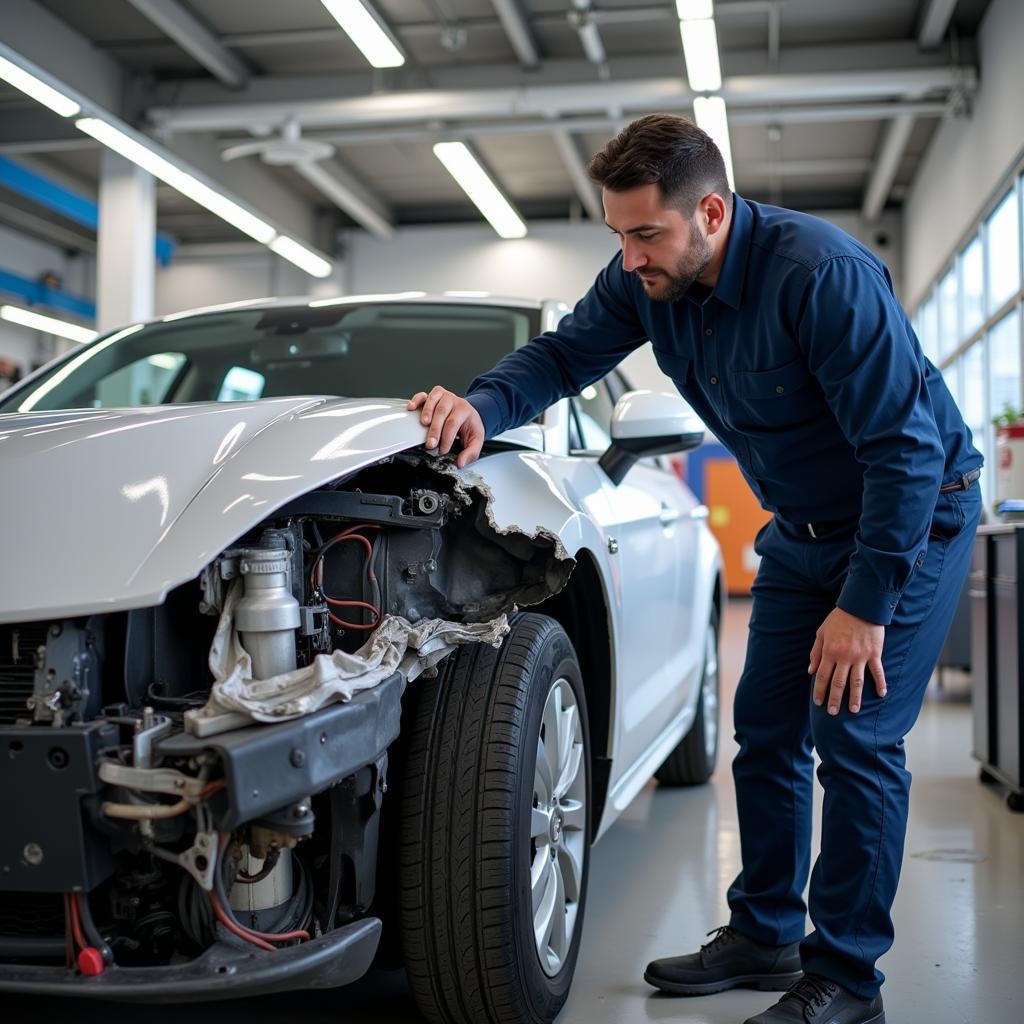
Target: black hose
[(92, 933)]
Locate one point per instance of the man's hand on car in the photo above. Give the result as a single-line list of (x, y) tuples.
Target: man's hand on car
[(448, 417)]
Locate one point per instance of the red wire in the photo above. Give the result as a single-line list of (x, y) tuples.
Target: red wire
[(237, 929), (76, 924), (317, 576)]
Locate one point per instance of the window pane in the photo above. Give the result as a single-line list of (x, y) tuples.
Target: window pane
[(972, 306), (949, 329), (1003, 253), (1004, 365), (143, 382), (928, 328)]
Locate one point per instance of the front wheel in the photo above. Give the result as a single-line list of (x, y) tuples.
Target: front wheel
[(693, 760), (496, 830)]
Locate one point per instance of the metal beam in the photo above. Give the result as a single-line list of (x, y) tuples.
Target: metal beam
[(440, 105), (887, 164), (580, 179), (934, 20), (517, 28), (195, 39), (825, 114), (349, 194)]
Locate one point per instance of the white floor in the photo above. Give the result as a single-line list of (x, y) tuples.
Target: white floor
[(658, 882)]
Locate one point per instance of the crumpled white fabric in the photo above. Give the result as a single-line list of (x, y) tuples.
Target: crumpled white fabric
[(396, 644)]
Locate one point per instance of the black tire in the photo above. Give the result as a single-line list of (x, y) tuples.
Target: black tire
[(691, 763), (1015, 801), (470, 952)]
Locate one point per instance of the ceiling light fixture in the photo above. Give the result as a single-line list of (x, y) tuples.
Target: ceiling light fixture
[(37, 89), (140, 154), (711, 116), (364, 27), (464, 167), (49, 324), (695, 10), (700, 49), (305, 259)]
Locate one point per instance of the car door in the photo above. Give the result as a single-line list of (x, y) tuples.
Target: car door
[(653, 521)]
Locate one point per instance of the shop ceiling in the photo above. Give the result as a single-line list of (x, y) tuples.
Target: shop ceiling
[(831, 105)]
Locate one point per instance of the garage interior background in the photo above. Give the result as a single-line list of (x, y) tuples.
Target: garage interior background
[(899, 120)]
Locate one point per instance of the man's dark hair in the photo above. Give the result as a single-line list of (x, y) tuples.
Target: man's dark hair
[(664, 150)]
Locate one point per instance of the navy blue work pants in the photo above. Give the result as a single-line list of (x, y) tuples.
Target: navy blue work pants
[(863, 765)]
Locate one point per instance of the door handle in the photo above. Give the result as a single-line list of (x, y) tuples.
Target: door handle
[(699, 512), (668, 515)]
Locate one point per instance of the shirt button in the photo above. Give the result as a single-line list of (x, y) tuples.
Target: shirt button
[(714, 380), (780, 390), (708, 331)]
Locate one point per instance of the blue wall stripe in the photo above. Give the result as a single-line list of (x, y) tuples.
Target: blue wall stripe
[(36, 294), (67, 203)]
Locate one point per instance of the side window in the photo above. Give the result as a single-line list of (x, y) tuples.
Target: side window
[(241, 385), (593, 416)]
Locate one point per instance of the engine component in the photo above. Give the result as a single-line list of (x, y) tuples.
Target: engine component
[(268, 614), (66, 675), (262, 883)]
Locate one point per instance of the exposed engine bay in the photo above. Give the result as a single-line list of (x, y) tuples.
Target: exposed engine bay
[(158, 829)]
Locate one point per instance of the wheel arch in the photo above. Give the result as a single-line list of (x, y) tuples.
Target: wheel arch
[(578, 608)]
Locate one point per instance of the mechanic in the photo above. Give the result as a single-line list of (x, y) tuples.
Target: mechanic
[(785, 336)]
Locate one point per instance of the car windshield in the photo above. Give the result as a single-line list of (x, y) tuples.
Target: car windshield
[(350, 349)]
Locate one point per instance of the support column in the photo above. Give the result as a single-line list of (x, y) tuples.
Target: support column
[(126, 244)]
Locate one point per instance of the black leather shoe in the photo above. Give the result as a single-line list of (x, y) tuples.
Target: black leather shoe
[(729, 960), (817, 1000)]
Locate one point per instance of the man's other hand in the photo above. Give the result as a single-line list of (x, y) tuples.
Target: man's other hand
[(844, 646), (447, 417)]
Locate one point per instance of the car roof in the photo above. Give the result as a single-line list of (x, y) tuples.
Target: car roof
[(472, 298)]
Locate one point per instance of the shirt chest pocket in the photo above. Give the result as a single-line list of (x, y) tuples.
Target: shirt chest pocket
[(784, 397)]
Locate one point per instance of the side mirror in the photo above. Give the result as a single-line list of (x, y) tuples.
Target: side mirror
[(647, 423)]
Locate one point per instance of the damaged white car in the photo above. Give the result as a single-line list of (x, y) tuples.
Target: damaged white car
[(282, 693)]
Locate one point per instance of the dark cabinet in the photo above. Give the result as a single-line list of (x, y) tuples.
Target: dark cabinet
[(997, 663)]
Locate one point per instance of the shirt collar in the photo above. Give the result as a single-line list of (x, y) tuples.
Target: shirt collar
[(729, 287)]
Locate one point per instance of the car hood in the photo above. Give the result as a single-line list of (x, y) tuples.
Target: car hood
[(109, 509)]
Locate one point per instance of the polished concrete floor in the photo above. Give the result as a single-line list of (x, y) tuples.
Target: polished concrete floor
[(658, 882)]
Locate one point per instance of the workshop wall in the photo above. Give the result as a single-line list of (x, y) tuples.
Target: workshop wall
[(30, 258), (968, 156)]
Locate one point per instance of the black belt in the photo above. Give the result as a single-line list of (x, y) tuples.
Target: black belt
[(822, 529), (963, 484)]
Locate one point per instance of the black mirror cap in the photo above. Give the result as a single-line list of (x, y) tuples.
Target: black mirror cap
[(623, 453)]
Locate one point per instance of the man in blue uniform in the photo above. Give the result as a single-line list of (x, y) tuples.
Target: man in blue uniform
[(785, 336)]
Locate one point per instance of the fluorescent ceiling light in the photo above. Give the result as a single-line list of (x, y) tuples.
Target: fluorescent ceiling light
[(185, 183), (365, 29), (710, 114), (694, 10), (700, 48), (305, 259), (473, 180), (50, 324), (38, 90)]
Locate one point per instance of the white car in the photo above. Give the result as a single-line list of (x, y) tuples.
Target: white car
[(282, 693)]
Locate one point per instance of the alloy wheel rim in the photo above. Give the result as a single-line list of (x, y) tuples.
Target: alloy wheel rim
[(557, 826), (710, 693)]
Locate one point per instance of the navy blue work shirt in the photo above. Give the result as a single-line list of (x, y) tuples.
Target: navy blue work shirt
[(802, 362)]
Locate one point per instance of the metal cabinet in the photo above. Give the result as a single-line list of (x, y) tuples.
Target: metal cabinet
[(997, 643)]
